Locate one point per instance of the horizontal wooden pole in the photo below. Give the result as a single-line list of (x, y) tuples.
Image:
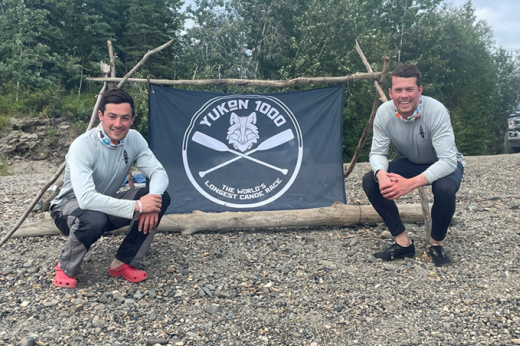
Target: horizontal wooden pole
[(249, 82), (338, 214)]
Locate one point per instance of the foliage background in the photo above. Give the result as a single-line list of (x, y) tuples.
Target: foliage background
[(49, 47)]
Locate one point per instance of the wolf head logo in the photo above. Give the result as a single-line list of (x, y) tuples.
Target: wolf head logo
[(243, 132)]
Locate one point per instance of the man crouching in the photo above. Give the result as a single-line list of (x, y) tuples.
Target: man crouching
[(89, 205)]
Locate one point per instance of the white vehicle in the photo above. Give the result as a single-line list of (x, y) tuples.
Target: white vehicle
[(512, 135)]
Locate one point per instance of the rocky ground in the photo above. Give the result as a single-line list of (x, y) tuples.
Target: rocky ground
[(315, 286)]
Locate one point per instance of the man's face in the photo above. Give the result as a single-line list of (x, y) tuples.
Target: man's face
[(116, 120), (405, 93)]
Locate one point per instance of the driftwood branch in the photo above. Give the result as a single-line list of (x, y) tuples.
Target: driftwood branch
[(338, 214), (31, 206), (251, 82), (93, 116), (426, 214), (47, 203), (112, 59), (370, 122), (369, 69), (112, 72), (91, 124), (141, 62)]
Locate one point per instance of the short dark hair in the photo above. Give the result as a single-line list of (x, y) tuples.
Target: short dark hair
[(407, 71), (116, 96)]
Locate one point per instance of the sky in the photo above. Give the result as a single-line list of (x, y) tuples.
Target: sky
[(502, 15)]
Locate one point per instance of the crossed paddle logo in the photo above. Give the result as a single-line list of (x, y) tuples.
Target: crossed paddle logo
[(273, 142)]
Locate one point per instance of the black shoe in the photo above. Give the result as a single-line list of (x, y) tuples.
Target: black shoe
[(396, 251), (439, 257)]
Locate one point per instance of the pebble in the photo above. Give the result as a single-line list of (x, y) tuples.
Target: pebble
[(389, 266), (28, 341), (152, 294), (98, 322), (472, 206), (372, 259), (379, 229), (212, 309), (50, 304), (155, 341), (193, 335), (420, 270), (152, 315), (326, 263), (207, 291), (386, 235)]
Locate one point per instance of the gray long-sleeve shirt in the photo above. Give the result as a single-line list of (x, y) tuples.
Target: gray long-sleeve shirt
[(429, 139), (94, 173)]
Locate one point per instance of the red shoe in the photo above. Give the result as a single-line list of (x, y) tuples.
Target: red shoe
[(63, 280), (129, 273)]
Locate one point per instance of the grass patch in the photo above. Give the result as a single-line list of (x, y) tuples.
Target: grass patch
[(4, 171), (4, 124)]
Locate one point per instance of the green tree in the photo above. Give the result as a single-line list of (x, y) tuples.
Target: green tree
[(507, 63), (25, 57), (150, 23)]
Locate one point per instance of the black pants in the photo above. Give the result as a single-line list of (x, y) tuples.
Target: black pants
[(444, 191), (85, 227)]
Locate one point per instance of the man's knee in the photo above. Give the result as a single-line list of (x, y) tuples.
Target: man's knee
[(166, 200), (90, 226), (370, 185), (444, 188), (165, 203)]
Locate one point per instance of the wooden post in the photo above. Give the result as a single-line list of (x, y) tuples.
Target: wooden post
[(370, 122)]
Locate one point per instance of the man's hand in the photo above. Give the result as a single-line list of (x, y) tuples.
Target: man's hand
[(393, 186), (151, 204), (147, 222)]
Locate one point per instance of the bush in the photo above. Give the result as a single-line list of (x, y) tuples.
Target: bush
[(50, 102)]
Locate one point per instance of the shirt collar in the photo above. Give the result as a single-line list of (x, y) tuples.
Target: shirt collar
[(412, 117)]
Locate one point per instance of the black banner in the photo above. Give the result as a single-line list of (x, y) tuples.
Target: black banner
[(240, 152)]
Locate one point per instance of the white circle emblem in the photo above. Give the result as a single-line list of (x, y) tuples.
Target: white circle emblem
[(243, 151)]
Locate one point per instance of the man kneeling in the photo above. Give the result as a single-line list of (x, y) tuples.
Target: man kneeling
[(419, 128), (89, 205)]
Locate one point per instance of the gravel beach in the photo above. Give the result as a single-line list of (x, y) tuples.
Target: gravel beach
[(308, 286)]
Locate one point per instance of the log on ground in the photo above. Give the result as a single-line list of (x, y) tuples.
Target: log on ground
[(338, 214)]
